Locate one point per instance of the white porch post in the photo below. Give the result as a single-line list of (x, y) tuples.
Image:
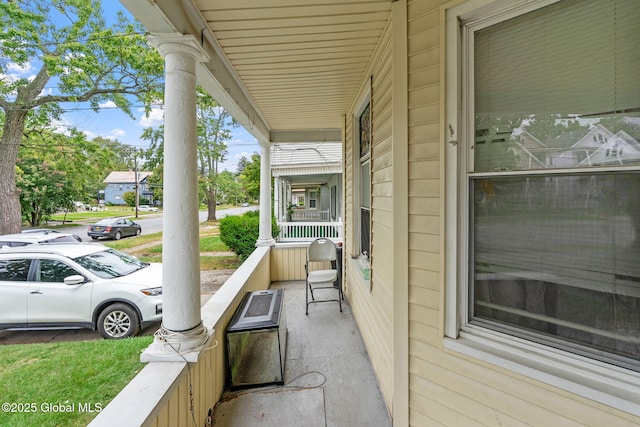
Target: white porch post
[(264, 237), (181, 321), (277, 211)]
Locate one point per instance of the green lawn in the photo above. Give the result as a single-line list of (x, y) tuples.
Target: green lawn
[(109, 211), (60, 384), (132, 242)]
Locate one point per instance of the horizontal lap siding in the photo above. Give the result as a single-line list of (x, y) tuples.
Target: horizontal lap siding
[(488, 396), (447, 388), (372, 305)]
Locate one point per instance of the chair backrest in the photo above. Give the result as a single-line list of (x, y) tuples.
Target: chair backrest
[(321, 250)]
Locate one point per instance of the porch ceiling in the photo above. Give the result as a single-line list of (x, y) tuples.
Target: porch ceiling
[(302, 181), (297, 63)]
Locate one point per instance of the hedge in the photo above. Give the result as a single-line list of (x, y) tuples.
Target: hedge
[(240, 232)]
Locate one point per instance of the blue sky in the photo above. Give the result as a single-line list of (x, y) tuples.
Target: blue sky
[(112, 123)]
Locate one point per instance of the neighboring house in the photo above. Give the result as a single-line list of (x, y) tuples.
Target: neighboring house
[(309, 177), (484, 303), (620, 149), (596, 146), (120, 182)]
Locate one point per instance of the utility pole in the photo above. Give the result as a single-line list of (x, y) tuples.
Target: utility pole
[(135, 173)]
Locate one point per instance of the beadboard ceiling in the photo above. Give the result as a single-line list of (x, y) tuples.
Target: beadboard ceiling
[(300, 61)]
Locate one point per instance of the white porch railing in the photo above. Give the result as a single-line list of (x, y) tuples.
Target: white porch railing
[(309, 215), (308, 231)]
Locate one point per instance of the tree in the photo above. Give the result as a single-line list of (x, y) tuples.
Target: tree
[(249, 175), (47, 190), (154, 159), (214, 128), (214, 124), (229, 189), (73, 50), (53, 170)]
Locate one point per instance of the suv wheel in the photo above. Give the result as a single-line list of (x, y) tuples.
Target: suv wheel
[(118, 321)]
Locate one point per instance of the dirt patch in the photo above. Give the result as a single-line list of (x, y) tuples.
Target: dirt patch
[(211, 280)]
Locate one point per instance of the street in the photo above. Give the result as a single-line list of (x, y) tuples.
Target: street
[(152, 223)]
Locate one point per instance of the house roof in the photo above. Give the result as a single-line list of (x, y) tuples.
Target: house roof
[(286, 70), (301, 154), (619, 149), (126, 177), (306, 162)]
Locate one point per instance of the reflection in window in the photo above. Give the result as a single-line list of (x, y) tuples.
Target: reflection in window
[(559, 256), (552, 107), (364, 121), (14, 270), (54, 271), (554, 242), (110, 263)]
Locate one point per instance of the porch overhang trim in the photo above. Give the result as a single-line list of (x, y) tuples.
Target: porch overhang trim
[(216, 76), (305, 170), (306, 135)]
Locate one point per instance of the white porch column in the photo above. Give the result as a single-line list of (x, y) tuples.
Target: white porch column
[(264, 237), (276, 198), (181, 323)]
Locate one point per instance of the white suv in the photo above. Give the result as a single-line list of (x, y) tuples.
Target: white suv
[(78, 285), (30, 237)]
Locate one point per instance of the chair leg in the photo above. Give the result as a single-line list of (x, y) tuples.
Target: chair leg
[(306, 297)]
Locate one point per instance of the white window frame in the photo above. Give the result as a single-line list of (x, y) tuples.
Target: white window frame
[(608, 384)]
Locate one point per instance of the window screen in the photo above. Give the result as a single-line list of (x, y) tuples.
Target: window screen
[(554, 181)]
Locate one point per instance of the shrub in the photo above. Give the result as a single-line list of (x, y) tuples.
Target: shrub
[(240, 232)]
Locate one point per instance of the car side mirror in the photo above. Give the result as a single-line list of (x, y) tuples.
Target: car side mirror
[(76, 279)]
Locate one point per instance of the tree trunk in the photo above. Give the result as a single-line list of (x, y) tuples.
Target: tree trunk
[(211, 206), (10, 212)]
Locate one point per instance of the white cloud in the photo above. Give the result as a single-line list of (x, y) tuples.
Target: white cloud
[(89, 134), (46, 91), (231, 164), (108, 104), (117, 133), (61, 126), (154, 119), (20, 69)]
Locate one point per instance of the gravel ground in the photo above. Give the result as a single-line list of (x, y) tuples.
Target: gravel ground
[(211, 280)]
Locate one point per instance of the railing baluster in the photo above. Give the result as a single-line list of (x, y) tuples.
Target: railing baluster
[(300, 231)]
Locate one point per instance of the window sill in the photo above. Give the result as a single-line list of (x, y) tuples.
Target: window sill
[(607, 384)]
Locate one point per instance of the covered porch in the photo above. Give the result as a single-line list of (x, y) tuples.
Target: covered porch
[(329, 379), (284, 87), (308, 190)]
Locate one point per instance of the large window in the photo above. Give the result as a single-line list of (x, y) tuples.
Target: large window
[(549, 182)]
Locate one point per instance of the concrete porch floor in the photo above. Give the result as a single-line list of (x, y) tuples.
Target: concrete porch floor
[(329, 380)]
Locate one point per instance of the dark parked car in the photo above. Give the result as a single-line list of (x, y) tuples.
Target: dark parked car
[(114, 228)]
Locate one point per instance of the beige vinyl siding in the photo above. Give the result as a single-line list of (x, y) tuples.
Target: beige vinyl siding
[(372, 302), (445, 387)]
